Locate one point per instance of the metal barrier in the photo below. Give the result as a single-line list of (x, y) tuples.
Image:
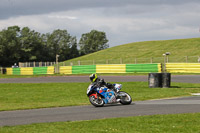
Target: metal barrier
[(183, 67), (30, 70), (111, 68)]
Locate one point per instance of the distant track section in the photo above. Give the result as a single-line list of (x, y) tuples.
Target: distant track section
[(63, 79)]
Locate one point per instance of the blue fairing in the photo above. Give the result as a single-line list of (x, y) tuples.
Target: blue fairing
[(107, 95)]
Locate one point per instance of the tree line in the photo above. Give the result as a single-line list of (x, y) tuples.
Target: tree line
[(26, 45)]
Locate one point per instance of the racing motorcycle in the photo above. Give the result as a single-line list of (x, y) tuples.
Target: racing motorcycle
[(98, 96)]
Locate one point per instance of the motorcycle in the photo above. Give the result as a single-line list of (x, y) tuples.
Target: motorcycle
[(98, 96)]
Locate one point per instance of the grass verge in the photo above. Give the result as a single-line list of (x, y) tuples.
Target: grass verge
[(146, 124), (17, 96)]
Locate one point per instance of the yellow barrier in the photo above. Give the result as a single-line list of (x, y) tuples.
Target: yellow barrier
[(159, 67), (65, 69), (118, 68), (183, 67), (26, 71), (50, 70), (9, 71)]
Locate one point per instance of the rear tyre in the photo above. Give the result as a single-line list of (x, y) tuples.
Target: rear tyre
[(97, 102), (125, 98)]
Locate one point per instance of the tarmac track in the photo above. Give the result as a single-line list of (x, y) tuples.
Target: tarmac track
[(62, 79), (165, 106), (138, 108)]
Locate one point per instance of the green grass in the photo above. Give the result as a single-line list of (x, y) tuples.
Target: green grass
[(182, 123), (143, 51), (17, 96)]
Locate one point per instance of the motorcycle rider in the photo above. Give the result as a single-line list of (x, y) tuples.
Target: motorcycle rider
[(100, 82)]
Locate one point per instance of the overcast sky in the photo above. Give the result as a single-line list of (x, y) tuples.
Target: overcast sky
[(123, 21)]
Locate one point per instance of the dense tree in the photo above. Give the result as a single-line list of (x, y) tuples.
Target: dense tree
[(32, 48), (93, 41), (26, 45), (9, 46), (60, 42)]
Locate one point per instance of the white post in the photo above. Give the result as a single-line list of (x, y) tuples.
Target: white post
[(186, 59)]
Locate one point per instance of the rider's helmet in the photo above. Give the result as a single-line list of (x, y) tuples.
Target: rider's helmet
[(93, 77)]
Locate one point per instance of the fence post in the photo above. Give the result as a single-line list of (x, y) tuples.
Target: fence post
[(121, 60), (135, 60), (186, 59), (79, 62), (167, 59), (199, 59), (151, 60), (19, 64)]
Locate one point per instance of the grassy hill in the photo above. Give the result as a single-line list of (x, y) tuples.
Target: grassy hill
[(144, 52)]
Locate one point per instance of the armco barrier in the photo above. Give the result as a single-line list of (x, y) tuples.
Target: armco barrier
[(111, 68), (87, 69), (65, 69), (83, 69), (78, 69), (183, 67), (9, 71), (30, 70), (133, 68)]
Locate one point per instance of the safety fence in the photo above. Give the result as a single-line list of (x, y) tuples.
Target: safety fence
[(111, 68), (36, 64), (183, 67), (30, 70), (130, 60), (108, 68)]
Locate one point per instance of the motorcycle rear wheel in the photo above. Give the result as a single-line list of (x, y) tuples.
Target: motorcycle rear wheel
[(126, 99), (97, 102)]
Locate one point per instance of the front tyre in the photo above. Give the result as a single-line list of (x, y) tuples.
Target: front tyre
[(125, 98), (97, 102)]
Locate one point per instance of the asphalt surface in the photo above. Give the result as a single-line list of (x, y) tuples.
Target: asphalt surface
[(165, 106), (62, 79)]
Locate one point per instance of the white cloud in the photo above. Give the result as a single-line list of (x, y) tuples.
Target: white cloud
[(62, 17), (123, 22)]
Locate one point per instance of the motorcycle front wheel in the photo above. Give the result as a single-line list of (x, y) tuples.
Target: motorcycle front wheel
[(125, 98), (97, 102)]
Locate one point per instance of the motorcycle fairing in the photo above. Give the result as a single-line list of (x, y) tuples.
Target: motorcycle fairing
[(109, 97)]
